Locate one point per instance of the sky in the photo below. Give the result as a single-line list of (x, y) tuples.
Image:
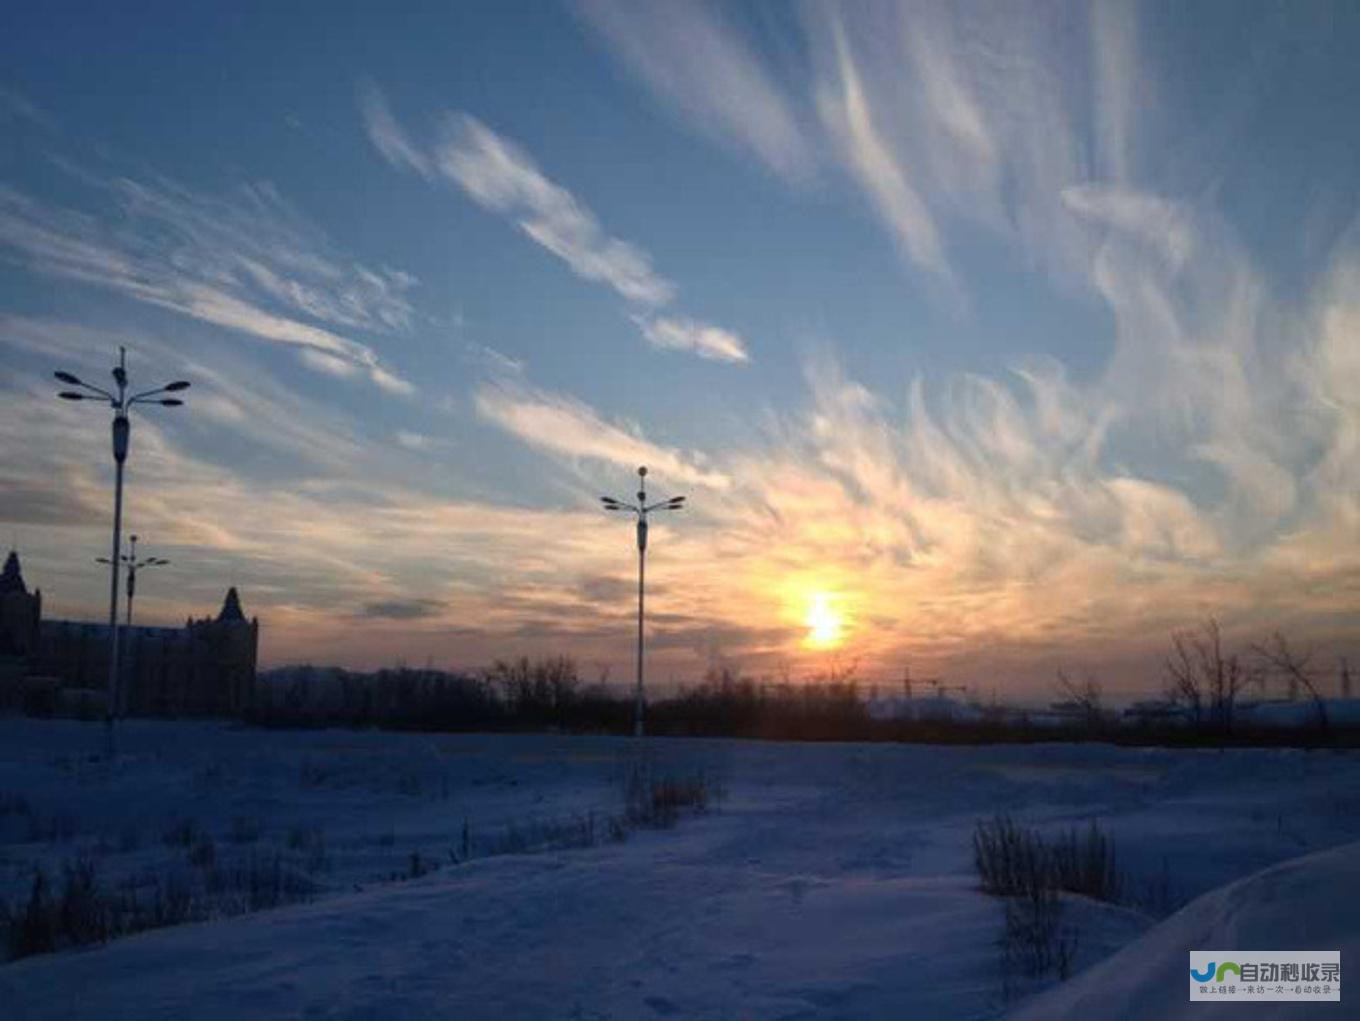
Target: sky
[(983, 339)]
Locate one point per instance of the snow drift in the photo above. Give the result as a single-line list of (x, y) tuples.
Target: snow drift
[(1308, 903)]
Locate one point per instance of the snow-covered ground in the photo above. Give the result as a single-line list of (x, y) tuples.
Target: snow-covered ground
[(1306, 903), (834, 880)]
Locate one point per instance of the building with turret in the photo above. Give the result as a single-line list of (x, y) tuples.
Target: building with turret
[(206, 668), (20, 612)]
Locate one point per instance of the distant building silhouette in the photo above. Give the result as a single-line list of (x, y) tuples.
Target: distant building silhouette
[(206, 668), (20, 612)]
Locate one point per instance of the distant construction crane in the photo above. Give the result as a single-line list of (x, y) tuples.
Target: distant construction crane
[(908, 681), (940, 688)]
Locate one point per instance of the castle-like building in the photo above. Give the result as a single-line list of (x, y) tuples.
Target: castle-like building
[(206, 668)]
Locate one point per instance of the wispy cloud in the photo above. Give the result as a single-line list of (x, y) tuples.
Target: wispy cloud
[(937, 114), (255, 235), (1164, 226), (696, 62), (403, 609), (967, 513), (315, 437), (223, 261), (500, 176), (387, 136), (565, 426), (993, 514), (1205, 457), (15, 105), (948, 120), (847, 112), (703, 339), (1121, 92)]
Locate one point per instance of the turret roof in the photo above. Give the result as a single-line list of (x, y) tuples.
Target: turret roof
[(12, 579), (231, 608)]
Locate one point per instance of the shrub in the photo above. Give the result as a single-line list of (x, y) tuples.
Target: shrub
[(32, 930), (1012, 860), (555, 835), (256, 883), (418, 866), (180, 833), (1009, 859), (83, 916), (1017, 863), (656, 801), (203, 852), (1034, 940), (311, 842), (85, 912), (1156, 895), (1085, 863)]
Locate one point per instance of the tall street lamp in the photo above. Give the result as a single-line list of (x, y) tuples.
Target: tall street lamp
[(122, 428), (641, 509), (133, 566)]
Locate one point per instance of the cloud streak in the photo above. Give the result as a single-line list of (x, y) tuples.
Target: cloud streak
[(847, 113), (940, 117), (387, 136), (1201, 456), (565, 426), (222, 262), (706, 341), (500, 176), (728, 93)]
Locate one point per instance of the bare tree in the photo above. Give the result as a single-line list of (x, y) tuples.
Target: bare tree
[(1085, 694), (1184, 684), (1345, 678), (1277, 656), (1201, 675)]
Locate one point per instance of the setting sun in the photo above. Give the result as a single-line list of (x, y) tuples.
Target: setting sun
[(825, 627)]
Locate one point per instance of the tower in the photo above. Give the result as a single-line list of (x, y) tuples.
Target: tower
[(222, 654), (20, 612)]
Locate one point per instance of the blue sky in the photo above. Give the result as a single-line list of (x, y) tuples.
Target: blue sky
[(1009, 335)]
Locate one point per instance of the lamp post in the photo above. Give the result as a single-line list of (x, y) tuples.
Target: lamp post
[(641, 509), (133, 566), (121, 404)]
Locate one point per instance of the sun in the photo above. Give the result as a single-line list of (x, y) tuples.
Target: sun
[(824, 624)]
